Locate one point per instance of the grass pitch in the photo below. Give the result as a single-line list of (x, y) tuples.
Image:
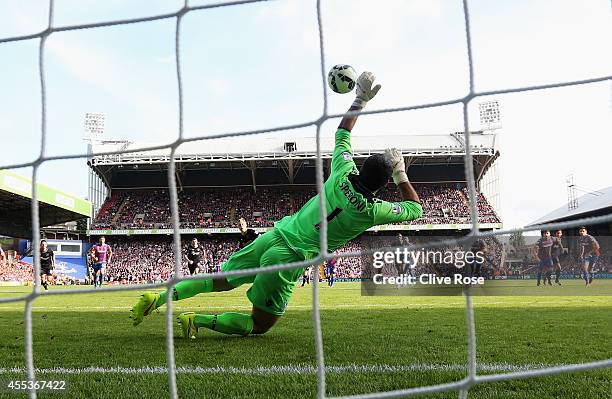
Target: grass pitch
[(371, 344)]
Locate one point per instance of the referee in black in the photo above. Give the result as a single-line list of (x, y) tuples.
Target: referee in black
[(194, 254), (47, 264), (246, 235)]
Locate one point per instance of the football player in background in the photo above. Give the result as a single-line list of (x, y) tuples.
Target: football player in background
[(246, 235), (589, 254), (542, 253), (47, 264), (330, 271), (306, 276), (474, 265), (557, 252), (102, 254), (194, 254)]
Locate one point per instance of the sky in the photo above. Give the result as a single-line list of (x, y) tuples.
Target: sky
[(257, 66)]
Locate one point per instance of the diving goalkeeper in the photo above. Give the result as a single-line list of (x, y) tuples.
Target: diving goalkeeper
[(351, 209)]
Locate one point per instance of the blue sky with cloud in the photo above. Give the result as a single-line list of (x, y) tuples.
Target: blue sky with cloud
[(257, 66)]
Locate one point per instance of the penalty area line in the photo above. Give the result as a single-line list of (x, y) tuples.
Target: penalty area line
[(288, 369)]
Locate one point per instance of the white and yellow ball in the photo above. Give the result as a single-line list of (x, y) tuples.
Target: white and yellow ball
[(342, 78)]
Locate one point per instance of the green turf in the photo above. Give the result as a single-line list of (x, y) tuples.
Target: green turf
[(78, 331)]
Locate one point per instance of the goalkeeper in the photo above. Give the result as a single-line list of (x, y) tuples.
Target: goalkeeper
[(350, 208)]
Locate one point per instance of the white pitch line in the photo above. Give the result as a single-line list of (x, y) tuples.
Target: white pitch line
[(339, 306), (288, 369), (378, 306)]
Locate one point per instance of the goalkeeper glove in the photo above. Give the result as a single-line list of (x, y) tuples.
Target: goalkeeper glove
[(365, 91), (399, 167)]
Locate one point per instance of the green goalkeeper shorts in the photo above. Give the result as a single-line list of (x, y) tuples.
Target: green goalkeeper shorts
[(271, 291)]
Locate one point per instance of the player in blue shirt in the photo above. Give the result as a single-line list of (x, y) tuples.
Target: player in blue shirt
[(330, 271), (543, 254)]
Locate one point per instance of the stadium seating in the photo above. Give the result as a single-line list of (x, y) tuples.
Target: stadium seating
[(442, 204), (15, 271), (142, 261), (152, 259)]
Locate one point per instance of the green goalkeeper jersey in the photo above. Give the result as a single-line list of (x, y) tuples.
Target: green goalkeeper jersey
[(348, 212)]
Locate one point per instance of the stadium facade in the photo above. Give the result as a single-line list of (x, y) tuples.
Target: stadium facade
[(55, 206)]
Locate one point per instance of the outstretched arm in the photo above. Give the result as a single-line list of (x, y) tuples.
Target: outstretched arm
[(410, 207), (407, 192), (349, 119), (343, 154), (365, 92), (400, 178)]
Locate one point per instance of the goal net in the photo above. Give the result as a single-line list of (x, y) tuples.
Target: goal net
[(463, 385)]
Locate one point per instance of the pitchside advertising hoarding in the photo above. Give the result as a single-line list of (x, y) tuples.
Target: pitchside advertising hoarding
[(231, 230), (67, 266), (69, 258)]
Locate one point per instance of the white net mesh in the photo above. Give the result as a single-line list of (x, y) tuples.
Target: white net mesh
[(462, 386)]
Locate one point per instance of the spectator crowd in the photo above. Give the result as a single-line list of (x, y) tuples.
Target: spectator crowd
[(147, 209), (151, 259), (15, 271)]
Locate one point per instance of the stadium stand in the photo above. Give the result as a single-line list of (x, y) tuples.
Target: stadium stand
[(442, 203), (145, 260), (260, 180), (15, 271), (152, 260)]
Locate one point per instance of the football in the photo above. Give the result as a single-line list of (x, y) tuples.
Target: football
[(342, 78)]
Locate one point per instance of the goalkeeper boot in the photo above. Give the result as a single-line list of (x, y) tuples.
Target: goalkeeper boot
[(144, 306), (188, 329)]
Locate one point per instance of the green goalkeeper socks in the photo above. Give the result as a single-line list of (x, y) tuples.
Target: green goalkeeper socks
[(226, 323), (186, 289)]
